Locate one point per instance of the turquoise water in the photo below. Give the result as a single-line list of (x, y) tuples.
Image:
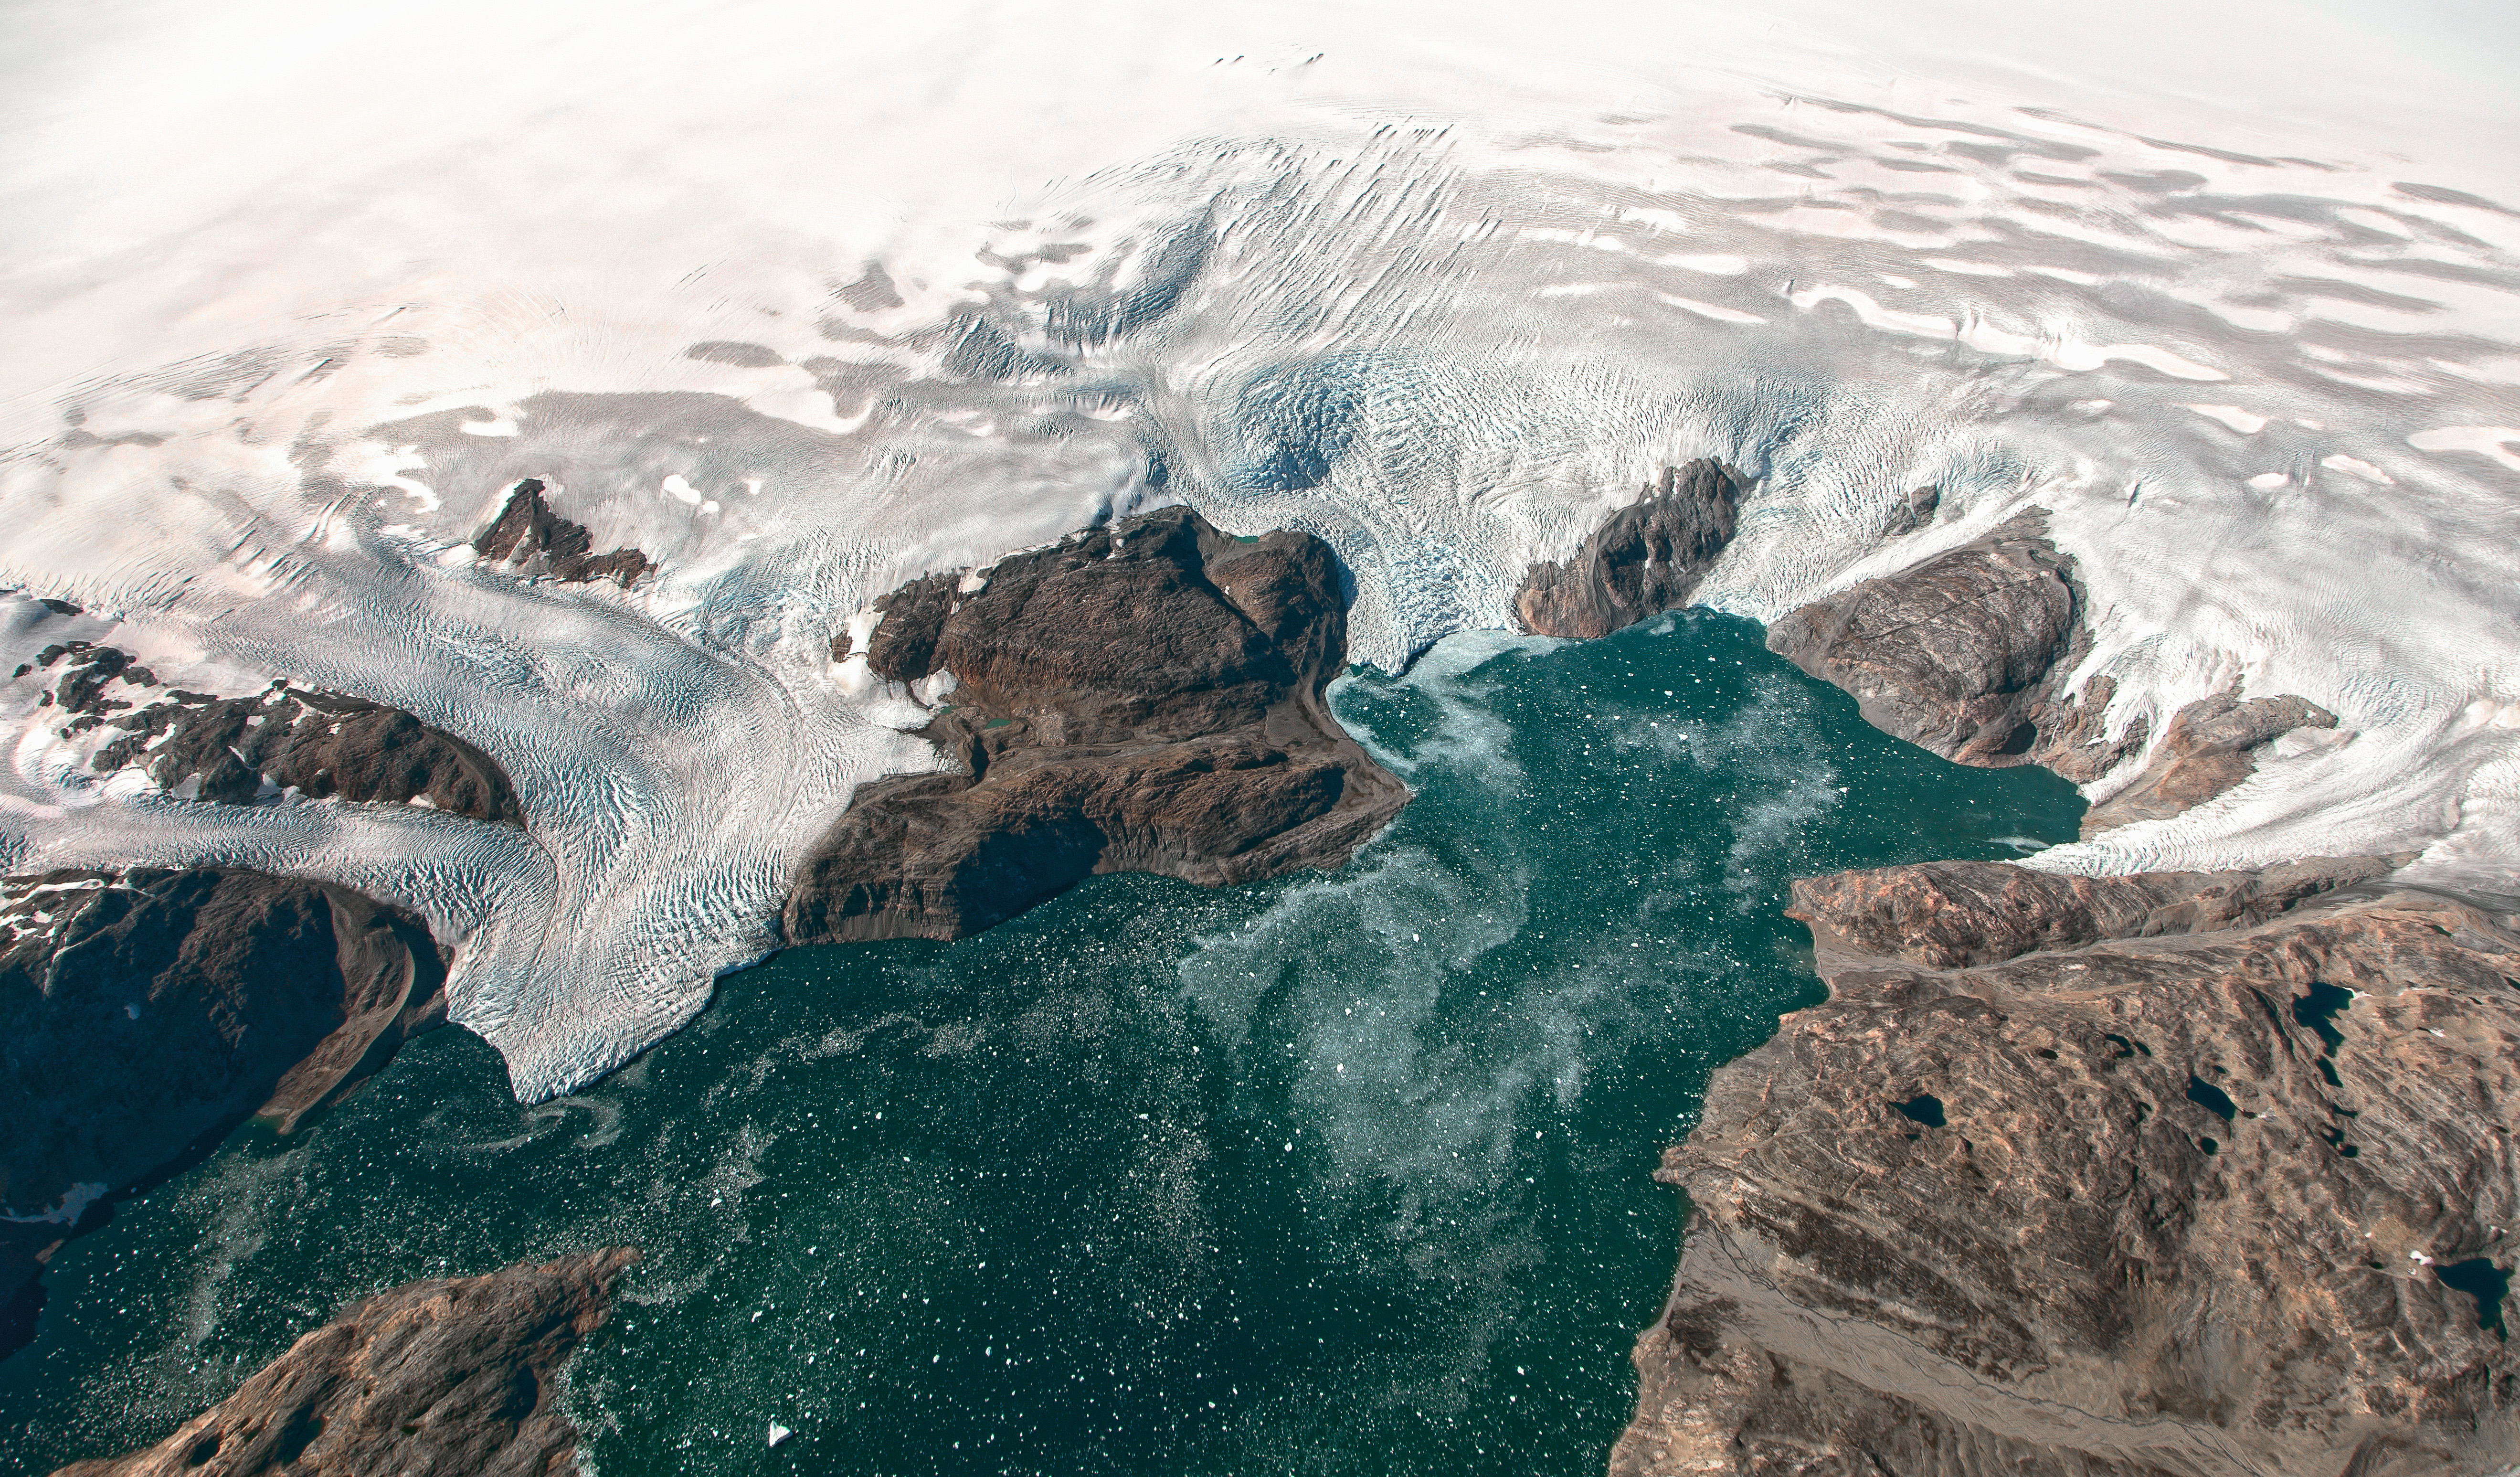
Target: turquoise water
[(1343, 1173)]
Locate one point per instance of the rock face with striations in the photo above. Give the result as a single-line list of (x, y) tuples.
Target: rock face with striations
[(2206, 1174), (1140, 698), (145, 1010), (2210, 746), (528, 535), (450, 1375), (1647, 559), (228, 749), (1966, 654)]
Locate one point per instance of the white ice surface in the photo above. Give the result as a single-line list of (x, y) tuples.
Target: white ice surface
[(805, 299)]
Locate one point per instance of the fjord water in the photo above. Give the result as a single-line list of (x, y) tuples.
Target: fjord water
[(1342, 1173)]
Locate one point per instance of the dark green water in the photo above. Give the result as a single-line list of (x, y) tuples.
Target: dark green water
[(1343, 1173)]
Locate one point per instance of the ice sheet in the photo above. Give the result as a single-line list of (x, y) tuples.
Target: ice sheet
[(804, 301)]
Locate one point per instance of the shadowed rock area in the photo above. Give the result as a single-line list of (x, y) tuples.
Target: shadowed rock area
[(1647, 559), (145, 1013), (200, 747), (2210, 746), (536, 540), (449, 1376), (1967, 653), (2178, 1173), (1139, 699)]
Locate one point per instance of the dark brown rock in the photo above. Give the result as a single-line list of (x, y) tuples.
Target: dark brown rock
[(449, 1376), (1647, 559), (2112, 1177), (1139, 699), (2210, 746), (145, 1013), (530, 536), (1966, 654), (322, 744)]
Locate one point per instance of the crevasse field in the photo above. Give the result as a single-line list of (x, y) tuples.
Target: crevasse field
[(802, 300)]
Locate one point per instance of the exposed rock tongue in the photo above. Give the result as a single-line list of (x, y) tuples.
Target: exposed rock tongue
[(2199, 1174), (527, 533), (142, 1011), (1647, 559), (1963, 654), (451, 1375), (320, 744), (1139, 699), (2210, 746)]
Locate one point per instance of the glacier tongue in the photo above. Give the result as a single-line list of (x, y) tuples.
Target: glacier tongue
[(2269, 399)]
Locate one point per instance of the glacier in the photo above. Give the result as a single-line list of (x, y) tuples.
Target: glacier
[(803, 302)]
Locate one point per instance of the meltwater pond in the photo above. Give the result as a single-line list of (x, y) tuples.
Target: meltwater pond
[(1342, 1173)]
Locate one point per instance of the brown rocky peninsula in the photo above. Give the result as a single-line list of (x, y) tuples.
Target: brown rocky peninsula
[(143, 1013), (1645, 559), (2165, 1173), (453, 1376), (1144, 697), (1968, 654)]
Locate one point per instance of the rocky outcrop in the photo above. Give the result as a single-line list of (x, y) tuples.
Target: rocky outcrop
[(285, 739), (143, 1013), (536, 540), (449, 1376), (1967, 653), (2210, 746), (1647, 559), (1146, 697), (2192, 1173)]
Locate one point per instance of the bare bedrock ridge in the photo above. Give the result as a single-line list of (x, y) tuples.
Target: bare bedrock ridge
[(449, 1376), (1142, 698), (143, 1013), (283, 740), (2082, 1175), (2164, 1174)]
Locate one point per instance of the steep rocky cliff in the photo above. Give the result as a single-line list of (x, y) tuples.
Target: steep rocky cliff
[(1964, 653), (453, 1376), (2191, 1174), (1968, 654), (530, 537), (2210, 746), (1146, 697), (1645, 559), (143, 1012)]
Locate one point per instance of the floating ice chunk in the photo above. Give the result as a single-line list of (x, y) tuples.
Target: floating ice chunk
[(1873, 314), (2268, 482), (1710, 310), (779, 1433), (1707, 263), (2231, 415), (1960, 268), (679, 488), (2494, 441), (2340, 462)]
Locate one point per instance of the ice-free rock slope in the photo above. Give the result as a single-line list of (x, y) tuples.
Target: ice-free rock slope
[(1647, 559), (2107, 1176), (1144, 697), (281, 740), (142, 1012), (2210, 746), (1964, 653), (448, 1376), (532, 538)]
